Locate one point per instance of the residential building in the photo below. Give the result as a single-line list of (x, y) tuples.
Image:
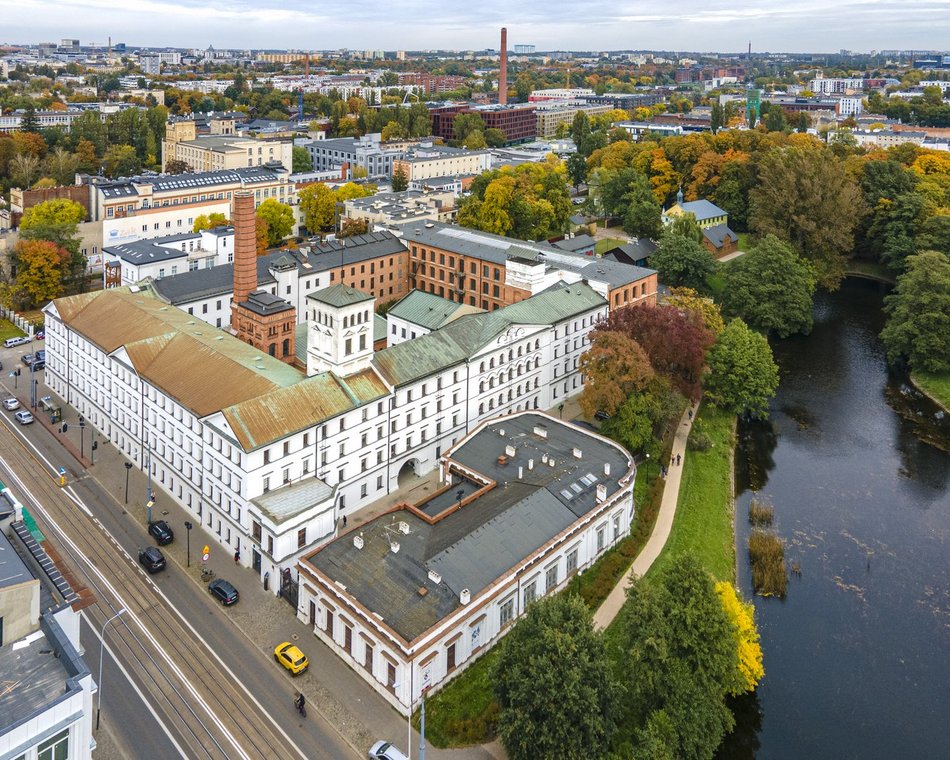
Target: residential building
[(413, 597), (628, 101), (390, 209), (428, 161), (826, 86), (572, 93), (552, 114), (219, 152), (707, 214), (150, 64), (719, 240), (639, 128), (47, 697), (491, 271), (517, 122), (886, 138), (166, 256), (367, 152)]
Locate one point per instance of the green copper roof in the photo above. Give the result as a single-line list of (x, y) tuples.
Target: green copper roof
[(426, 309)]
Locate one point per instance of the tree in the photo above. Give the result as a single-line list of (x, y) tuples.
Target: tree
[(741, 615), (742, 374), (807, 198), (682, 261), (279, 218), (771, 287), (86, 154), (688, 299), (24, 169), (615, 366), (495, 138), (674, 339), (553, 681), (400, 181), (351, 227), (261, 235), (317, 203), (209, 221), (54, 213), (61, 165), (121, 161), (643, 215), (474, 140), (718, 118), (29, 123), (679, 661), (301, 160), (918, 325), (177, 166), (643, 419), (39, 272), (466, 123), (896, 223)]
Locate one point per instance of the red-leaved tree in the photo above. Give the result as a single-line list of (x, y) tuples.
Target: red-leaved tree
[(675, 341)]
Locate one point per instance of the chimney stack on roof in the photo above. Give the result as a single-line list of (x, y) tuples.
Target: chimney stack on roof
[(503, 73), (245, 245)]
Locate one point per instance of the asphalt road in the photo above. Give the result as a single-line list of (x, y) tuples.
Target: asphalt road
[(203, 679)]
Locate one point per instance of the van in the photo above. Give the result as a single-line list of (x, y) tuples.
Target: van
[(13, 342)]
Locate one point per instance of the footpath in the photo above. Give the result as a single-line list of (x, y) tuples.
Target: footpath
[(661, 530)]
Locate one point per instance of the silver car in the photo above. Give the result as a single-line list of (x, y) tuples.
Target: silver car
[(11, 404), (24, 417)]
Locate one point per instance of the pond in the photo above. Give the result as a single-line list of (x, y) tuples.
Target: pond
[(857, 656)]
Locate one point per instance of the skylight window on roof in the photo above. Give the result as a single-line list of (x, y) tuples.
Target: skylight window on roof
[(567, 494), (576, 487)]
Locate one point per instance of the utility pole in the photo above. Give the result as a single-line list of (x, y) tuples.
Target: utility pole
[(102, 643)]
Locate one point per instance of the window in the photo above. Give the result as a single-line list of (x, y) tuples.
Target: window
[(600, 538), (267, 484), (572, 562), (301, 538), (450, 658), (530, 594), (56, 748), (270, 545), (256, 530), (550, 578), (506, 612)]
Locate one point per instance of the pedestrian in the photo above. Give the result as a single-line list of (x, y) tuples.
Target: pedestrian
[(677, 459), (663, 472), (672, 461), (691, 414), (344, 521)]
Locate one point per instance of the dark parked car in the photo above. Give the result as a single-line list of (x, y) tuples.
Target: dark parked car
[(224, 591), (152, 559), (161, 532)]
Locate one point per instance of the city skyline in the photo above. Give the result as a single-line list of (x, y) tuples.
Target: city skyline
[(802, 26)]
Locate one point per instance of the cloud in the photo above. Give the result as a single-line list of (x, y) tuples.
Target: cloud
[(795, 25)]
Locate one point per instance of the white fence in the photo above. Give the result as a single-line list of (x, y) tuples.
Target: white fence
[(24, 324)]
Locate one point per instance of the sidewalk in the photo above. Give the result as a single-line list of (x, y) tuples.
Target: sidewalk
[(661, 531)]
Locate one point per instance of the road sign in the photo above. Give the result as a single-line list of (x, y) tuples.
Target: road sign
[(204, 557), (205, 553)]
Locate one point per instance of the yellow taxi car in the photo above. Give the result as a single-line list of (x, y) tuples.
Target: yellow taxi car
[(291, 658)]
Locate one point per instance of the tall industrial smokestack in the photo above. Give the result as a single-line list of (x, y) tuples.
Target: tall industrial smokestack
[(245, 246), (503, 73)]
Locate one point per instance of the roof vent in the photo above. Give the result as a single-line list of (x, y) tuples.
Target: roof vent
[(577, 453), (530, 464), (601, 492), (551, 461), (422, 591), (606, 468), (544, 458), (394, 547), (541, 431), (403, 527), (465, 596), (435, 577), (501, 432), (509, 450), (358, 542)]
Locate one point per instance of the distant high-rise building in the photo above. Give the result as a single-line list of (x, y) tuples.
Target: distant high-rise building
[(524, 49)]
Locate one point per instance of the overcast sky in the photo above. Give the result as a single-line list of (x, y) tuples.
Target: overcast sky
[(705, 25)]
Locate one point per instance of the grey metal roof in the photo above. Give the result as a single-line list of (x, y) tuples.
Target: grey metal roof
[(13, 571), (340, 295), (717, 234), (632, 251), (576, 243), (614, 273), (199, 284), (702, 209), (262, 302), (472, 547)]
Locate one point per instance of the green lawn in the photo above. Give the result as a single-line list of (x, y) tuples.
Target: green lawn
[(703, 524), (9, 330), (605, 244), (937, 386)]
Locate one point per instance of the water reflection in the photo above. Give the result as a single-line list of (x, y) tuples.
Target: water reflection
[(856, 655)]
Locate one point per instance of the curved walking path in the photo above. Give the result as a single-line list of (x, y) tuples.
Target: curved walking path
[(661, 530)]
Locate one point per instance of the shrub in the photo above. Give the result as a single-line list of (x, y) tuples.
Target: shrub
[(767, 557), (760, 514), (698, 440)]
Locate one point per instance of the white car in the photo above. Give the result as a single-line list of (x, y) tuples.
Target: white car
[(24, 417), (386, 751), (21, 341), (11, 404)]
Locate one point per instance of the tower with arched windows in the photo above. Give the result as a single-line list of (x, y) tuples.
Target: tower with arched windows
[(340, 334)]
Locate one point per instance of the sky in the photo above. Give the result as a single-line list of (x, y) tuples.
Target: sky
[(693, 25)]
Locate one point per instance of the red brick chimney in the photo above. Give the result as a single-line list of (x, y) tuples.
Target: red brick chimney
[(503, 73), (245, 245)]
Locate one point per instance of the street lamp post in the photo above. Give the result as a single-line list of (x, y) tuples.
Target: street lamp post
[(150, 494), (128, 469), (188, 527), (82, 438), (102, 642)]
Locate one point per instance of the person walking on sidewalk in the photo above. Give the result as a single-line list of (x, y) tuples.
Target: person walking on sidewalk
[(677, 459)]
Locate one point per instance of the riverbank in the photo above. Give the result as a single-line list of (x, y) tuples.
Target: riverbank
[(936, 387)]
